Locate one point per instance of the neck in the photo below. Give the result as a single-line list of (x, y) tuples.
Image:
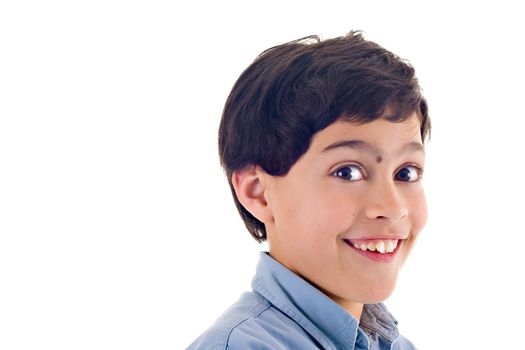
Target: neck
[(355, 309)]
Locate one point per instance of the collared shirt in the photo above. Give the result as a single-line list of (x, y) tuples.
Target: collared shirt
[(284, 311)]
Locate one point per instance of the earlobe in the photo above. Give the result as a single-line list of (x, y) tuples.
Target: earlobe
[(250, 189)]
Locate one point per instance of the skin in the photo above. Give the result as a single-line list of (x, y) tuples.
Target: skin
[(309, 212)]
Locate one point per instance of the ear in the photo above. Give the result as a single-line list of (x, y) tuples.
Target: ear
[(250, 186)]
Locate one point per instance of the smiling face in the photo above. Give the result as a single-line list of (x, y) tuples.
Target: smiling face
[(356, 184)]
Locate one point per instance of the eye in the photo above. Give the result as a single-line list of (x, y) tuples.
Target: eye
[(409, 174), (349, 172)]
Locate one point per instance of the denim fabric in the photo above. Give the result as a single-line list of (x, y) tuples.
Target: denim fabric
[(283, 311)]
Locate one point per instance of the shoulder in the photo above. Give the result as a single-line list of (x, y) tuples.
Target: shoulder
[(251, 323), (227, 328)]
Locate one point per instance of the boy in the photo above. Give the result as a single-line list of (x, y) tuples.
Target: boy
[(323, 146)]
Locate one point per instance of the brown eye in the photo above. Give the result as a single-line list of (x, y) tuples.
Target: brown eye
[(408, 174), (349, 172)]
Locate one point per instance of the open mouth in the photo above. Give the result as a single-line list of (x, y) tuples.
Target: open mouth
[(377, 250)]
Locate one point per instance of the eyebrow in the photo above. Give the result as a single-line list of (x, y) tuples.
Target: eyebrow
[(369, 148)]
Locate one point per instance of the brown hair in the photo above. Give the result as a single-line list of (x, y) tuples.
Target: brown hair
[(292, 91)]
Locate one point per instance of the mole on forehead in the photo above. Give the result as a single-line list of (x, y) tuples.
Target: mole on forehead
[(379, 159)]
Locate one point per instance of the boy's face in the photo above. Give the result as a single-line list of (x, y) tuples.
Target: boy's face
[(359, 192)]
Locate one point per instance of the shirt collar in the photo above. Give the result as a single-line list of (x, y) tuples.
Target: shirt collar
[(376, 320), (327, 322)]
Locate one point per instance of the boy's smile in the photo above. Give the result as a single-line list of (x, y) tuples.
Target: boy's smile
[(376, 249), (348, 212)]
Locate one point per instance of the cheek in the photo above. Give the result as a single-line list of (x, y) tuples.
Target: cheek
[(318, 215), (294, 209), (419, 213)]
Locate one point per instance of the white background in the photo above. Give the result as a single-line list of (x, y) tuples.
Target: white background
[(117, 228)]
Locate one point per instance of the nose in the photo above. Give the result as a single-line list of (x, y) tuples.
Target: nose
[(386, 202)]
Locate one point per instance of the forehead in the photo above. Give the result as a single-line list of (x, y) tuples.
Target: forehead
[(385, 136)]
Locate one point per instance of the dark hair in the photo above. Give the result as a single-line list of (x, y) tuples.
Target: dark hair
[(292, 91)]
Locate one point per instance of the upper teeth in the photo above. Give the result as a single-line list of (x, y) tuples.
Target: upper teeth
[(388, 246)]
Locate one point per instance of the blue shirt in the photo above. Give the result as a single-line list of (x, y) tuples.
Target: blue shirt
[(285, 312)]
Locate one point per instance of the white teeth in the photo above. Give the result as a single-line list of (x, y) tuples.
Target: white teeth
[(390, 246), (387, 246)]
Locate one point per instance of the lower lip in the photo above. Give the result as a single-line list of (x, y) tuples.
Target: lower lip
[(386, 257)]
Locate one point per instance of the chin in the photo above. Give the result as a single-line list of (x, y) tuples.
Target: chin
[(377, 293), (377, 297)]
